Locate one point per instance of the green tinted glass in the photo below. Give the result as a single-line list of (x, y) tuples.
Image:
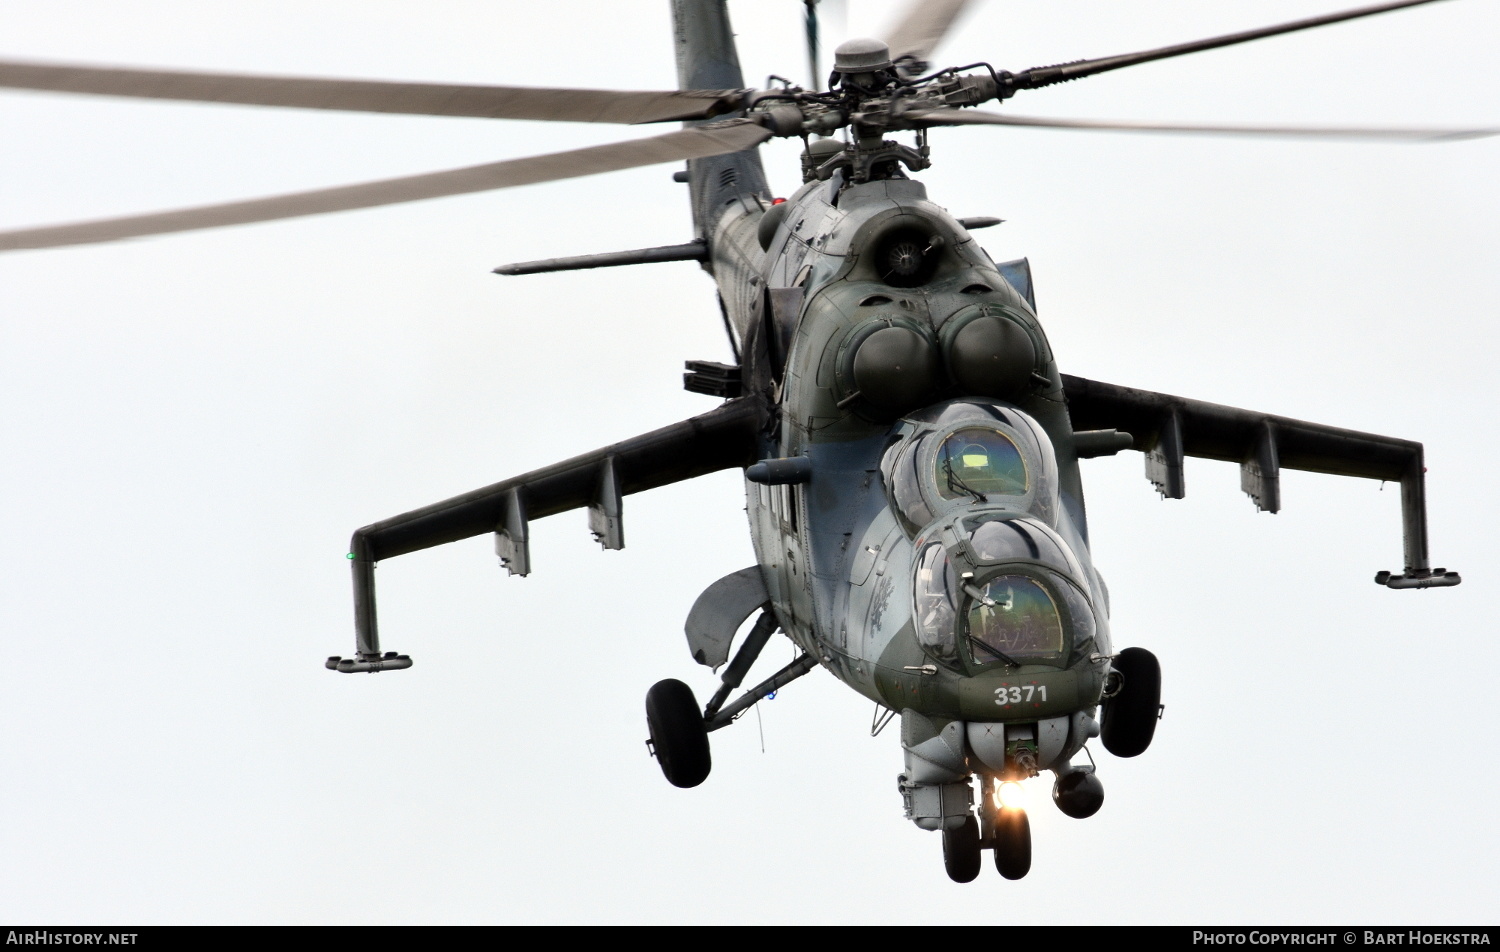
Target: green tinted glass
[(1022, 622), (980, 460)]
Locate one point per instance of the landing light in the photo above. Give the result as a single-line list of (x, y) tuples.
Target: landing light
[(1010, 795)]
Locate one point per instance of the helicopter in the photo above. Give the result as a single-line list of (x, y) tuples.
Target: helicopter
[(959, 480)]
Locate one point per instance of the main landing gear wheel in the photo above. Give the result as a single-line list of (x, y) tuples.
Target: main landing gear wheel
[(678, 734), (1012, 843), (1129, 720), (961, 851)]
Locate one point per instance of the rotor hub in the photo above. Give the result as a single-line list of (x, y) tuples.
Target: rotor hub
[(861, 56)]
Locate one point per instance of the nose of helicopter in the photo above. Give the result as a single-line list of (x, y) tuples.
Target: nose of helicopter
[(1029, 693)]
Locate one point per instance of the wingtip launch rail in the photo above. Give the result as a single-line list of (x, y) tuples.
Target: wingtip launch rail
[(1168, 428), (724, 438)]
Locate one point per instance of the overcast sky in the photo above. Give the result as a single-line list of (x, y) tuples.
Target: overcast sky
[(191, 426)]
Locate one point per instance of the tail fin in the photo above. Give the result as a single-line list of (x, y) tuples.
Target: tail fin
[(706, 59)]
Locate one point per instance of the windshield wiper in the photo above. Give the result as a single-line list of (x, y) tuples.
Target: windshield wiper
[(976, 643), (956, 483)]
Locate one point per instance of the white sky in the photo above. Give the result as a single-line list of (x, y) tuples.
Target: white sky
[(191, 426)]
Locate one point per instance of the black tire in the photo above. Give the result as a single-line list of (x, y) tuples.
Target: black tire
[(1129, 719), (1012, 843), (961, 852), (678, 734)]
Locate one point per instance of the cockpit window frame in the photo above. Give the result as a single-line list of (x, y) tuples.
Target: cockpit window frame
[(968, 525), (1066, 585), (903, 477), (1057, 586), (912, 466), (947, 478), (973, 645)]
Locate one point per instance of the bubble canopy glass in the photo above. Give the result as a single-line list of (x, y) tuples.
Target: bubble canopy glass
[(1024, 602), (980, 460), (1016, 619), (965, 454)]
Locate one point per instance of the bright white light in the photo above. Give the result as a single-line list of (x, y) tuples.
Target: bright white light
[(1010, 795)]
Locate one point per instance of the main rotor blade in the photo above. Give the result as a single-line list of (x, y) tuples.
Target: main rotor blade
[(359, 95), (922, 28), (969, 117), (694, 143), (814, 43), (1048, 75)]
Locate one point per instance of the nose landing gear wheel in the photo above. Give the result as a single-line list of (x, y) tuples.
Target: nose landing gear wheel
[(678, 735), (1012, 843), (961, 852)]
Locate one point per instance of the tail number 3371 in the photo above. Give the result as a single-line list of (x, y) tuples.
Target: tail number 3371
[(1021, 693)]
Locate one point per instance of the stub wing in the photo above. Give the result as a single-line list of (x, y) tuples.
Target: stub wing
[(1168, 428), (724, 438)]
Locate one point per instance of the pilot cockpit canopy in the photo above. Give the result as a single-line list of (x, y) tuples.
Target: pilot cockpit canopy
[(963, 453), (980, 461)]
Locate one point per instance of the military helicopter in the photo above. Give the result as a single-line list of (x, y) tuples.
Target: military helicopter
[(933, 370)]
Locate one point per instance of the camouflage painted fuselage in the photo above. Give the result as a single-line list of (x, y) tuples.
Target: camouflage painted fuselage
[(837, 552)]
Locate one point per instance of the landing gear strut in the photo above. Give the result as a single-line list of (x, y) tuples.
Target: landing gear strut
[(679, 730)]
